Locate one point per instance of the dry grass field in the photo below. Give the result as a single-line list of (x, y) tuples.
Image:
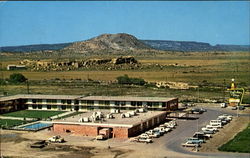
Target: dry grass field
[(216, 69)]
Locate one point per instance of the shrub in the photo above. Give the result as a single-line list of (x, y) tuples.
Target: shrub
[(126, 80), (17, 78)]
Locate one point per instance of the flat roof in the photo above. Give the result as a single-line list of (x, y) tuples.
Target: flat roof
[(127, 98), (116, 121), (78, 97), (38, 96)]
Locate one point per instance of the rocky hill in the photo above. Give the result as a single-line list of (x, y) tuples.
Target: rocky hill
[(121, 42)]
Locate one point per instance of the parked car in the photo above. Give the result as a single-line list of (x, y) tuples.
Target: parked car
[(208, 131), (202, 135), (223, 105), (101, 137), (241, 107), (203, 110), (223, 121), (196, 111), (144, 135), (56, 139), (216, 123), (167, 129), (226, 117), (145, 140), (169, 125), (159, 131), (152, 134), (210, 128), (190, 144), (196, 140)]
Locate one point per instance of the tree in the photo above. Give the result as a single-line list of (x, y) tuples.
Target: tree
[(123, 79), (17, 78), (126, 80)]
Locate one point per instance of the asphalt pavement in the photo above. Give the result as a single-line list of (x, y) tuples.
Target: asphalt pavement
[(186, 128)]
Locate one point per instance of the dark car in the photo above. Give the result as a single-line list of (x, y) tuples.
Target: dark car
[(196, 111), (201, 135), (241, 107)]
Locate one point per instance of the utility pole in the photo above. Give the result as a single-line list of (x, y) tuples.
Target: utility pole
[(28, 89)]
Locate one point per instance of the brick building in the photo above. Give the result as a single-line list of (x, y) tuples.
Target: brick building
[(119, 127)]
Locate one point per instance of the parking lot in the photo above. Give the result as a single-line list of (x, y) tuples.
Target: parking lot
[(186, 128)]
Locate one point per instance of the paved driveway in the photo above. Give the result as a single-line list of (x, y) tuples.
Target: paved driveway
[(186, 128)]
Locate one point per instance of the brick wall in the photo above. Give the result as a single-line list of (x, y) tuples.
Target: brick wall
[(120, 132), (76, 129)]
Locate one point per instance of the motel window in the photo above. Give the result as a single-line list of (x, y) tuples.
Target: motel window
[(101, 102), (34, 106), (63, 101), (39, 100), (107, 102), (83, 107), (155, 103), (90, 108), (90, 102), (133, 103), (149, 104), (34, 101), (48, 106), (76, 102), (51, 101), (40, 106), (117, 103), (54, 106), (68, 101), (84, 102), (123, 103), (63, 107), (164, 104), (139, 103)]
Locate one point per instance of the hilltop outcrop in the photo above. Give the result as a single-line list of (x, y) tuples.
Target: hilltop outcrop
[(120, 41), (126, 62)]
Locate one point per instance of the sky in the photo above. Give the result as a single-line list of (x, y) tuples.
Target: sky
[(48, 22)]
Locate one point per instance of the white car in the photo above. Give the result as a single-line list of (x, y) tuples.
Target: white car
[(212, 127), (216, 125), (144, 135), (208, 128), (169, 125), (158, 130), (145, 140), (228, 117), (190, 144), (152, 134), (167, 129)]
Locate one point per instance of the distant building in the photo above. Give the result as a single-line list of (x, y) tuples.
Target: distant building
[(84, 103), (16, 67)]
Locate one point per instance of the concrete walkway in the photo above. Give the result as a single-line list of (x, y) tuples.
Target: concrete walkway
[(61, 115), (30, 119), (15, 118)]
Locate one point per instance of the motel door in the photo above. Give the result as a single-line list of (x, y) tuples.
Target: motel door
[(76, 108)]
